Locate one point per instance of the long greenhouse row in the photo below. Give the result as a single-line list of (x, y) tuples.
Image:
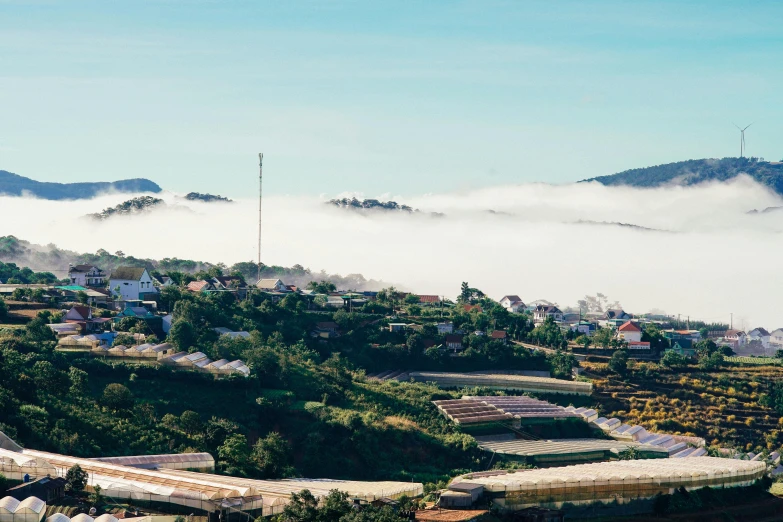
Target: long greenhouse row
[(561, 451), (487, 409), (620, 481), (503, 381), (190, 489)]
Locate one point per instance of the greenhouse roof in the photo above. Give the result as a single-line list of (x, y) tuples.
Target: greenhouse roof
[(503, 381), (183, 486), (8, 504), (34, 504), (472, 410), (562, 446), (622, 472), (203, 459)]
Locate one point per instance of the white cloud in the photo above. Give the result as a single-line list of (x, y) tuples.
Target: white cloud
[(710, 259)]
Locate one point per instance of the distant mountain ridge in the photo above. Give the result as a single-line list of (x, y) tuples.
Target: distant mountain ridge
[(15, 185), (692, 172)]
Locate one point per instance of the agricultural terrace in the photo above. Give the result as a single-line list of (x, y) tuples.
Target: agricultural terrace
[(733, 406), (764, 361)]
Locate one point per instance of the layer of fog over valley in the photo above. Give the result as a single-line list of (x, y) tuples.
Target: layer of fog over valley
[(690, 250)]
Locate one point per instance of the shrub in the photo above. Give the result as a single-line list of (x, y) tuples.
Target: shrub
[(117, 397)]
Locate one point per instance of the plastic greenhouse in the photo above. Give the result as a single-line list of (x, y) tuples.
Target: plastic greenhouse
[(58, 517), (185, 491), (184, 461), (504, 381), (623, 481), (568, 451), (31, 509)]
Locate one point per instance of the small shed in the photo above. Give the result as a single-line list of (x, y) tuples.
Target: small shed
[(455, 500), (474, 490), (47, 489)]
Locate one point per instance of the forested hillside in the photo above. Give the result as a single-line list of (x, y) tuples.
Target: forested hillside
[(692, 172), (305, 409)]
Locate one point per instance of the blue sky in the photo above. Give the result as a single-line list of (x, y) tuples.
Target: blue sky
[(381, 97)]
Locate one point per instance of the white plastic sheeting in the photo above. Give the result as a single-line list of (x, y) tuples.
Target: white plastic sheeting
[(201, 490), (621, 480), (31, 509), (15, 465), (504, 381), (185, 461)]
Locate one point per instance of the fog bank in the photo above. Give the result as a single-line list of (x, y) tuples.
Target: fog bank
[(704, 257)]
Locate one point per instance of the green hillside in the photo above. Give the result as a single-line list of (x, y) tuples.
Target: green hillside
[(306, 409), (692, 172)]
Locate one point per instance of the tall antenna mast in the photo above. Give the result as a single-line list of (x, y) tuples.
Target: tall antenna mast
[(260, 194)]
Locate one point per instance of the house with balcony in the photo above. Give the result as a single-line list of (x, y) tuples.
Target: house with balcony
[(736, 338), (86, 276), (542, 312)]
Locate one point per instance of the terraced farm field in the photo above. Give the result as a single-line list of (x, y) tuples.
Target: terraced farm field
[(724, 407), (753, 360)]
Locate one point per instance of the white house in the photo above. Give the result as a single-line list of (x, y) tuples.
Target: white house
[(736, 337), (759, 335), (630, 332), (541, 312), (272, 285), (131, 283), (776, 339), (512, 303), (86, 275)]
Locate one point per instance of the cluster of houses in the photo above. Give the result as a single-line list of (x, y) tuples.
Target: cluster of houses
[(629, 328), (133, 292)]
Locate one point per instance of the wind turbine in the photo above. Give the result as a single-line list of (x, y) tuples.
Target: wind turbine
[(742, 138)]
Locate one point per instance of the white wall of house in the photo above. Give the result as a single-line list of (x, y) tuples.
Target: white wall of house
[(631, 337), (755, 335), (776, 338), (738, 340), (130, 289), (512, 306)]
